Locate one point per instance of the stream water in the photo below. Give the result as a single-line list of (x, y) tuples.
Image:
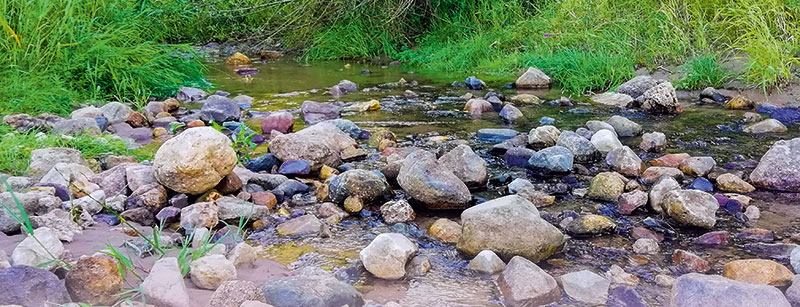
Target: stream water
[(699, 130)]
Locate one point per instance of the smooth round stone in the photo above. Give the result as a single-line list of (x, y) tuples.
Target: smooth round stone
[(295, 167)]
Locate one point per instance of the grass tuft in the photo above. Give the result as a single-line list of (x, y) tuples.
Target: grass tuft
[(702, 71)]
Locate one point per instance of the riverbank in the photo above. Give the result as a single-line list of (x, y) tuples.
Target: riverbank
[(130, 51)]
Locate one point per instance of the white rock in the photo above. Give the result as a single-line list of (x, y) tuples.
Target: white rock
[(586, 286), (605, 141), (42, 253), (487, 262), (242, 254), (209, 272), (612, 99), (194, 161), (646, 246), (164, 286), (752, 213), (386, 256)]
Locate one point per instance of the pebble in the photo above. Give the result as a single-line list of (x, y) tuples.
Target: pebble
[(646, 246)]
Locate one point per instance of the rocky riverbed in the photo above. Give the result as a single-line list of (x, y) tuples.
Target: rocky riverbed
[(359, 185)]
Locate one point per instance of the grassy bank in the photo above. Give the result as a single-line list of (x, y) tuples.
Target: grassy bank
[(67, 52), (59, 53)]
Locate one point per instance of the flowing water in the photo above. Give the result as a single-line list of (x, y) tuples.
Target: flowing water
[(699, 130)]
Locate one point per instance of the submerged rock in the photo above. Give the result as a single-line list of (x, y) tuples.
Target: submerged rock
[(766, 126), (487, 262), (710, 290), (296, 291), (586, 286), (509, 226)]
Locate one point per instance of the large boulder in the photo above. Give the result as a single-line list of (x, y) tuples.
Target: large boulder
[(698, 290), (94, 280), (661, 99), (612, 99), (116, 112), (691, 207), (31, 287), (365, 185), (523, 283), (509, 226), (533, 78), (320, 144), (305, 291), (387, 254), (466, 165), (779, 168), (164, 287), (433, 184), (194, 161)]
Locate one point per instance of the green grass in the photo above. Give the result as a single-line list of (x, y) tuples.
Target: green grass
[(701, 72), (57, 53), (16, 148)]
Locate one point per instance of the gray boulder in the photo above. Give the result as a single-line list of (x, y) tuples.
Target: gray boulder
[(510, 113), (303, 291), (220, 109), (509, 226), (320, 144), (582, 149), (466, 165), (116, 112), (555, 159), (543, 136), (314, 112), (164, 287), (433, 184), (698, 290), (77, 126), (190, 94), (624, 126), (637, 86), (31, 287), (533, 78), (365, 185), (779, 168), (612, 99), (42, 160), (624, 161), (386, 256), (487, 262), (770, 125), (586, 286)]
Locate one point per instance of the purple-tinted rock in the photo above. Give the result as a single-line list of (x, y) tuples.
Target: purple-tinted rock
[(61, 191), (518, 156), (787, 116), (262, 163), (141, 135), (628, 202), (139, 215), (179, 201), (220, 109), (714, 238), (295, 167), (777, 251), (625, 296), (107, 218), (289, 188), (701, 184), (644, 233), (169, 215), (28, 286), (314, 112), (282, 122), (756, 234)]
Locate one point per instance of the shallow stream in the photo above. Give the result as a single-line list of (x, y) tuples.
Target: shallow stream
[(699, 130)]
